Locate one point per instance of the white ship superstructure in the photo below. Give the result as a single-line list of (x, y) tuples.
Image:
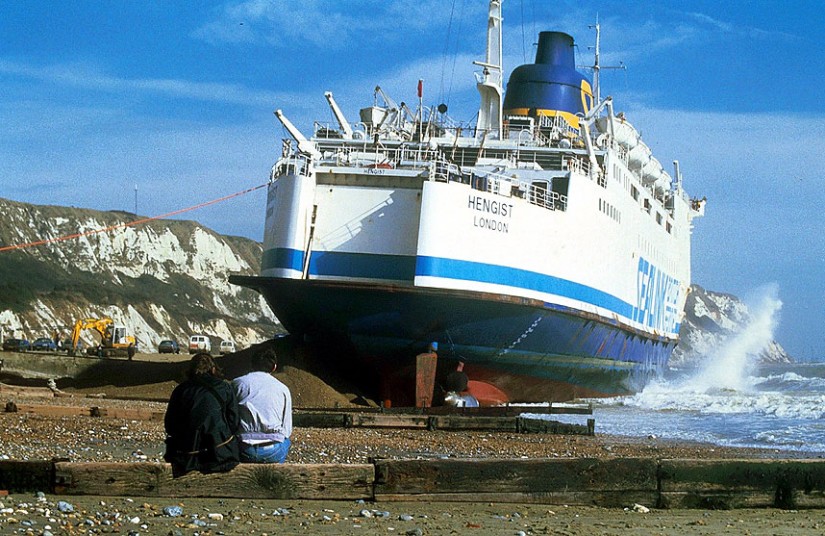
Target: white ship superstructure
[(544, 245)]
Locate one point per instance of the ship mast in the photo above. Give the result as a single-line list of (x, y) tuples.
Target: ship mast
[(596, 66), (597, 97), (489, 83)]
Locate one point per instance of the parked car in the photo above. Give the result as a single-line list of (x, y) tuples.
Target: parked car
[(200, 343), (227, 347), (168, 347), (44, 344), (16, 345)]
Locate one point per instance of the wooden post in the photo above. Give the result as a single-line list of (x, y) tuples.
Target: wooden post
[(425, 366)]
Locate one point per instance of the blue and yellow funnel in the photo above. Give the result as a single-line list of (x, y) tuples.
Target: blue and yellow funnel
[(550, 87)]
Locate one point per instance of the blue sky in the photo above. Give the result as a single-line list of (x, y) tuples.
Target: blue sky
[(176, 98)]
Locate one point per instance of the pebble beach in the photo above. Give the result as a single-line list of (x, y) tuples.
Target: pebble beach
[(29, 436), (134, 516)]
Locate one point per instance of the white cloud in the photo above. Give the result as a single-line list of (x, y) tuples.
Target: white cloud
[(86, 77), (740, 30), (328, 25)]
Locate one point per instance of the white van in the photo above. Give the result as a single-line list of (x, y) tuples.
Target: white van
[(200, 343), (227, 347)]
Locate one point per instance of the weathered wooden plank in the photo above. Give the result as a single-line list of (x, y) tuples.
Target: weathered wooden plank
[(731, 483), (52, 411), (542, 426), (278, 481), (605, 499), (108, 478), (461, 422), (514, 475), (259, 481), (8, 391), (319, 420), (715, 500), (20, 476), (135, 414), (439, 422), (488, 411), (378, 420)]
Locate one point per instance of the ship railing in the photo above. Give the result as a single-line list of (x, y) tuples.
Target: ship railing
[(560, 129), (578, 165), (541, 132), (296, 164), (325, 131), (438, 167), (623, 154), (372, 155), (534, 193), (546, 198), (582, 166), (525, 136)]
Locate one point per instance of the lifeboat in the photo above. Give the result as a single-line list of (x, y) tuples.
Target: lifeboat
[(623, 132)]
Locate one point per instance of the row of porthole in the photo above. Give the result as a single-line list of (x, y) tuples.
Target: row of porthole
[(610, 210)]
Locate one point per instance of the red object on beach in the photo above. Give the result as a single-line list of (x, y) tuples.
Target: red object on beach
[(487, 394)]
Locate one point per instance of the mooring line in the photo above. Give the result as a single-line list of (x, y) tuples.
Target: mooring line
[(129, 224)]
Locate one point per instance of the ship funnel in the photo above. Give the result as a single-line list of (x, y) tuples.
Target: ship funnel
[(550, 87), (556, 48)]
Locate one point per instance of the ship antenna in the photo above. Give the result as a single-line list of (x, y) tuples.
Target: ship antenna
[(489, 83), (597, 66)]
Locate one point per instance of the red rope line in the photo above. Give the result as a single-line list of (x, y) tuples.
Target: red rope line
[(129, 224)]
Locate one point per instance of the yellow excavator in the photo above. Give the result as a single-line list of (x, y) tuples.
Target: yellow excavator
[(113, 338)]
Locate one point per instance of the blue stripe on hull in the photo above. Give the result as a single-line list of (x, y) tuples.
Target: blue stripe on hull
[(502, 339), (505, 275), (405, 268)]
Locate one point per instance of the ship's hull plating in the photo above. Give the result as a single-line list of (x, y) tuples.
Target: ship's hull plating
[(525, 350)]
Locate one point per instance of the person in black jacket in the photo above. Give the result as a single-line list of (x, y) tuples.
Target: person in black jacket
[(201, 421)]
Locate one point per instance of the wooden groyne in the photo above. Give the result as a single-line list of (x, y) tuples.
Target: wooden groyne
[(617, 482), (498, 419)]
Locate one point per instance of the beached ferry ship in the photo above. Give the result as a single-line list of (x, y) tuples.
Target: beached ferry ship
[(544, 246)]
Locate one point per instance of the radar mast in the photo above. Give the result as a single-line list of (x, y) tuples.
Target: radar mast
[(489, 82)]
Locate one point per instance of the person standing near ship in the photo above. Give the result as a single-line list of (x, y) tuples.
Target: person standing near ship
[(266, 412), (455, 385)]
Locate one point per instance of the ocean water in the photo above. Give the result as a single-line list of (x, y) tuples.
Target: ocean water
[(777, 407), (729, 398)]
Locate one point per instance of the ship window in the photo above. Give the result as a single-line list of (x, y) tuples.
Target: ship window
[(610, 211), (634, 193), (659, 218), (668, 227)]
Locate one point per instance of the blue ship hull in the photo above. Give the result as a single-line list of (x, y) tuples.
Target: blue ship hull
[(523, 350)]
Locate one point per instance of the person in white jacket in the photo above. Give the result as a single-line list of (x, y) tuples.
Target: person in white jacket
[(265, 406)]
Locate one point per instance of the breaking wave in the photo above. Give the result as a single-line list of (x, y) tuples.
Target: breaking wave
[(730, 399)]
